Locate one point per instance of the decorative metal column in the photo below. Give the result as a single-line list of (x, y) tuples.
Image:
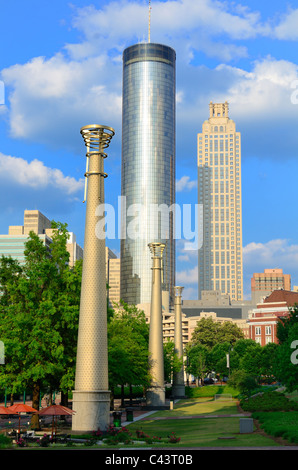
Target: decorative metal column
[(91, 397), (156, 393), (178, 389)]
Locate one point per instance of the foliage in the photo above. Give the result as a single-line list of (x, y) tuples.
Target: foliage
[(242, 381), (39, 316), (210, 391), (218, 358), (244, 354), (5, 441), (172, 363), (279, 424), (271, 401), (209, 333), (197, 360), (115, 436), (21, 442), (285, 369), (173, 438), (44, 441), (128, 337)]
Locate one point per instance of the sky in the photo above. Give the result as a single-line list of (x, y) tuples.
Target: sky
[(61, 69)]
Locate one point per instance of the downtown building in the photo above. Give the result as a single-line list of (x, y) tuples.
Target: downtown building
[(14, 243), (148, 168), (263, 284), (219, 193)]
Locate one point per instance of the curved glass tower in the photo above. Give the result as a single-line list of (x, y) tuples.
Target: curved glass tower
[(148, 167)]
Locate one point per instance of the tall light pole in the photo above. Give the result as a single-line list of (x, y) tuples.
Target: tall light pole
[(156, 393), (178, 389), (91, 397)]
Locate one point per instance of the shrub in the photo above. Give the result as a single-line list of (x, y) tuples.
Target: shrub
[(271, 401), (244, 382), (44, 441), (279, 424), (4, 441), (21, 442), (173, 438)]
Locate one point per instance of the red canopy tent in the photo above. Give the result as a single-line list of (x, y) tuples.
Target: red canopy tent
[(20, 408), (4, 411), (55, 410)]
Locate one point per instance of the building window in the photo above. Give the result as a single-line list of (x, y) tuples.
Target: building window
[(268, 330), (257, 330)]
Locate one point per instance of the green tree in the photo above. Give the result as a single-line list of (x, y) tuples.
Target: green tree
[(268, 360), (285, 366), (242, 381), (39, 317), (205, 333), (251, 361), (197, 361), (218, 358), (128, 338), (209, 333), (172, 363)]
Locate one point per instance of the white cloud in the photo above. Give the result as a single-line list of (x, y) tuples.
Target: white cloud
[(287, 28), (51, 99), (277, 253), (35, 175), (185, 184), (189, 276), (186, 25)]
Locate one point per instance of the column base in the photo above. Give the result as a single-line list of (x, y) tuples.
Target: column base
[(156, 396), (92, 410), (178, 391)]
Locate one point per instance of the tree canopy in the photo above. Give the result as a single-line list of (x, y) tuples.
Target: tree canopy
[(209, 332), (39, 309)]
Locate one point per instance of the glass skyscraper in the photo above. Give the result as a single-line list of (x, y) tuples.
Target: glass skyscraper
[(148, 167)]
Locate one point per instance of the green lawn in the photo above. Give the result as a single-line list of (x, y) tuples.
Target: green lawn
[(200, 406), (200, 432)]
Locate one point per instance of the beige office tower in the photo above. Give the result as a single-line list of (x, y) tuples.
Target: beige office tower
[(219, 191)]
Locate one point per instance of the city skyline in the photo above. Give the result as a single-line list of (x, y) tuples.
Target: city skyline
[(62, 69)]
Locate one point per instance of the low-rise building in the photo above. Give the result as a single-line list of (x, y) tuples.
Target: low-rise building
[(263, 319)]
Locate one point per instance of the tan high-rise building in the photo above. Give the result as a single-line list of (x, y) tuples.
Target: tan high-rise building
[(13, 244), (263, 284), (112, 276), (219, 192)]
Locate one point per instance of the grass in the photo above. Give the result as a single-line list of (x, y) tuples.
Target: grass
[(210, 391), (199, 406), (210, 428), (293, 396), (201, 432)]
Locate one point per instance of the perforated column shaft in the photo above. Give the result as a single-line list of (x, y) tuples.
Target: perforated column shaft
[(156, 394), (92, 352)]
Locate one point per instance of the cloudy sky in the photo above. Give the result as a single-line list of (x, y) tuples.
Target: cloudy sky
[(61, 69)]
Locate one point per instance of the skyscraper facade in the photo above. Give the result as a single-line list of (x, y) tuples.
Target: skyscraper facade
[(219, 192), (148, 167)]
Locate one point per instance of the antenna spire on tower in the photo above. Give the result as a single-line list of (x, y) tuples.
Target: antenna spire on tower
[(149, 26)]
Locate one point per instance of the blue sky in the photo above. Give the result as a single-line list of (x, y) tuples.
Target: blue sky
[(61, 65)]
